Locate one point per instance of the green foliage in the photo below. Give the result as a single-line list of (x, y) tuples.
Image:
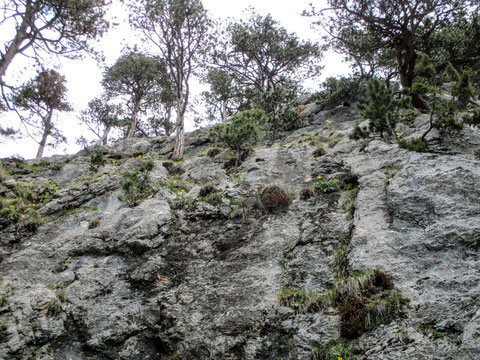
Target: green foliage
[(140, 79), (359, 132), (274, 198), (328, 186), (382, 108), (348, 203), (338, 91), (280, 107), (443, 113), (240, 134), (135, 183), (429, 330), (332, 350), (52, 27), (96, 160), (261, 54), (415, 144), (473, 119), (100, 117), (340, 260), (41, 96)]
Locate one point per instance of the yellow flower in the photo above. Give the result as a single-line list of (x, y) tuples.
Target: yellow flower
[(133, 169), (114, 161), (33, 205), (175, 182), (398, 130), (228, 156), (139, 156), (183, 190), (276, 144), (340, 358), (13, 207), (319, 177)]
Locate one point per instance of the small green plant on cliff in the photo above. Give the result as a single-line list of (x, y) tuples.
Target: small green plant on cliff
[(301, 300), (135, 183), (240, 134), (332, 350), (327, 186), (429, 330), (96, 160)]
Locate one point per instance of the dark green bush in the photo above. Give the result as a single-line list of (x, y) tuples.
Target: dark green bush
[(359, 132), (240, 134), (382, 108), (415, 144)]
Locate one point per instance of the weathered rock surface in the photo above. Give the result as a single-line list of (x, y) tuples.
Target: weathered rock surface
[(180, 277)]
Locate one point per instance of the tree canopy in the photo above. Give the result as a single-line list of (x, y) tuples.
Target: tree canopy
[(379, 31), (140, 78), (260, 53), (49, 26), (178, 31), (41, 96)]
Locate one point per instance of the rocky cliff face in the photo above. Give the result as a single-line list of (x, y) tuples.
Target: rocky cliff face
[(377, 259)]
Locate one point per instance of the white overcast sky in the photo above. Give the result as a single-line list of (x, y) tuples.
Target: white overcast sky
[(84, 76)]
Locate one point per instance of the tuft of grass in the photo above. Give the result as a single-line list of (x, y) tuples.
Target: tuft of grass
[(301, 300), (274, 198), (4, 174), (173, 168), (390, 172), (348, 203), (213, 151), (340, 260), (207, 189)]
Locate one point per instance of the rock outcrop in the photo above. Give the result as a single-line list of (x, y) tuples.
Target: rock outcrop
[(210, 272)]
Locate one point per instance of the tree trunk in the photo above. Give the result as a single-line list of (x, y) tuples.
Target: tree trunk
[(13, 49), (406, 58), (133, 122), (178, 152), (46, 132), (103, 141)]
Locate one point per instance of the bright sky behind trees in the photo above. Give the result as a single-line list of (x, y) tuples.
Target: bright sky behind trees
[(84, 76)]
